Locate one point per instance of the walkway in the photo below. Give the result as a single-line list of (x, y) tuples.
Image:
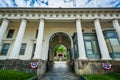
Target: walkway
[(60, 71)]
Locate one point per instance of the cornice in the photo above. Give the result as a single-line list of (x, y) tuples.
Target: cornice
[(60, 13), (59, 10)]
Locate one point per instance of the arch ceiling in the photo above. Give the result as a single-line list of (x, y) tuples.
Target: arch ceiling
[(60, 38)]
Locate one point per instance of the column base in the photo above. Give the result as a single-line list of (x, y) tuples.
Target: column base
[(36, 58), (82, 58), (106, 58), (12, 58), (42, 67)]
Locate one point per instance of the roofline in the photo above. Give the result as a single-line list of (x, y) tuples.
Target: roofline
[(57, 8)]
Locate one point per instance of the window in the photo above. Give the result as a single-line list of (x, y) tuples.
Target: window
[(112, 41), (22, 49), (115, 45), (89, 48), (76, 50), (33, 51), (10, 33), (34, 46), (36, 33), (91, 45), (5, 48)]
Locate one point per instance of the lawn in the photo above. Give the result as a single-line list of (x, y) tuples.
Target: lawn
[(14, 75), (109, 76)]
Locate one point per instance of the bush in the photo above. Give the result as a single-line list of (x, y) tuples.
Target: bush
[(14, 75)]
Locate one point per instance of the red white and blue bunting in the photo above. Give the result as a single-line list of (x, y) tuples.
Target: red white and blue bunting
[(33, 65), (107, 66)]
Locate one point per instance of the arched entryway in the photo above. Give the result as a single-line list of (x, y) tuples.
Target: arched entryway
[(58, 40), (60, 68)]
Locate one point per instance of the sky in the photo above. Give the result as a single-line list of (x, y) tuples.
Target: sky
[(60, 3)]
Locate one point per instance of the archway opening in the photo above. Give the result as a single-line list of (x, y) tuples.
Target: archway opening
[(59, 49), (60, 53)]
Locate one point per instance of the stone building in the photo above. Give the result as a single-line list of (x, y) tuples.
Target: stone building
[(91, 36)]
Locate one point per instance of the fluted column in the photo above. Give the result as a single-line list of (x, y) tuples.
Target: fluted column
[(17, 44), (81, 47), (38, 51), (117, 27), (3, 29), (102, 44)]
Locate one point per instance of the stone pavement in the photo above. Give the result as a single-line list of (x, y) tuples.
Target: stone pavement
[(60, 71)]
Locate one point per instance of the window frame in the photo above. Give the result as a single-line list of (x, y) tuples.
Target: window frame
[(36, 35), (92, 37), (33, 50), (113, 53), (3, 47), (22, 49), (9, 34)]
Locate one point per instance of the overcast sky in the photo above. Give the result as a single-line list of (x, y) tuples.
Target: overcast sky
[(60, 3)]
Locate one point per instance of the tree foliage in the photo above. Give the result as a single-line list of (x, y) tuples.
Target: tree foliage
[(60, 49)]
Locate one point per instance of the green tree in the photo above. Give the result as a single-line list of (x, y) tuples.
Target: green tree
[(60, 48)]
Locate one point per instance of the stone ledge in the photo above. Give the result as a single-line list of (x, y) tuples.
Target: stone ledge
[(20, 65), (95, 67)]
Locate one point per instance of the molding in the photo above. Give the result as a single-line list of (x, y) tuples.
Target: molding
[(60, 14)]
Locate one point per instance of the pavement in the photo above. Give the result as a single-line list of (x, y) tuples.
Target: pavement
[(60, 71)]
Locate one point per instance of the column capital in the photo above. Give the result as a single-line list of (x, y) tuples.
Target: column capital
[(41, 18), (78, 19), (5, 19), (23, 19), (115, 19), (96, 19)]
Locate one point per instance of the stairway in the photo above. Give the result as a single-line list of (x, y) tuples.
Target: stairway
[(60, 71)]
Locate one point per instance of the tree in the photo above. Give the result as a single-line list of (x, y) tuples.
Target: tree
[(60, 49)]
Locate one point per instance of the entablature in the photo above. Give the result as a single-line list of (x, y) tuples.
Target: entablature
[(60, 13)]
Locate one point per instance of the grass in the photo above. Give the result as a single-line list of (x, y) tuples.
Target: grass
[(108, 76), (14, 75)]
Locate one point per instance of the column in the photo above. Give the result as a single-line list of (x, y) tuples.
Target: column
[(38, 51), (17, 44), (81, 47), (117, 27), (102, 44), (3, 29), (45, 48)]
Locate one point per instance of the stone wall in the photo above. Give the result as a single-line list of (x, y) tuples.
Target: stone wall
[(24, 65), (20, 65), (95, 67)]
